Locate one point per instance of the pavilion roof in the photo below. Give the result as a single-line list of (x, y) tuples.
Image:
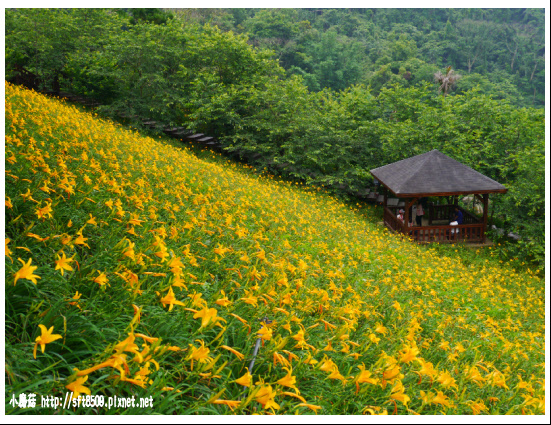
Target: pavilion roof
[(434, 174)]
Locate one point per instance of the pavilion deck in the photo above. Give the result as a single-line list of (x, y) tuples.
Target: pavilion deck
[(437, 228)]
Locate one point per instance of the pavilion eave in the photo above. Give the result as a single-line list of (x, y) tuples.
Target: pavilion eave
[(465, 192), (457, 193)]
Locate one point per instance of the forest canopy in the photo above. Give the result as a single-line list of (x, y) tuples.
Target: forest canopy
[(500, 49)]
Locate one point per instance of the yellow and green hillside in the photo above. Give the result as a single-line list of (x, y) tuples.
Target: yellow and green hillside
[(155, 267)]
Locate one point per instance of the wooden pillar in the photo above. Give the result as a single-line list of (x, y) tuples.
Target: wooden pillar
[(386, 198), (406, 215), (485, 216)]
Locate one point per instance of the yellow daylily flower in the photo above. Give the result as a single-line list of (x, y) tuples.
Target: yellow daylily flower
[(45, 338), (224, 301), (373, 338), (427, 368), (364, 377), (472, 373), (26, 272), (237, 353), (232, 404), (278, 358), (379, 328), (310, 406), (397, 393), (265, 333), (101, 280), (92, 220), (497, 379), (245, 380), (200, 354), (170, 300), (207, 316), (251, 299), (265, 396), (7, 250), (62, 263), (442, 399), (477, 406), (76, 297), (76, 387), (392, 374), (446, 380), (409, 354), (45, 211), (335, 374), (328, 347), (288, 380), (81, 240)]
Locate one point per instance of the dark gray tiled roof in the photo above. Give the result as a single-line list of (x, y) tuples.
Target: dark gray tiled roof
[(434, 172)]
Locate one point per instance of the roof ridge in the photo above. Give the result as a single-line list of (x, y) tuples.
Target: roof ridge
[(426, 156)]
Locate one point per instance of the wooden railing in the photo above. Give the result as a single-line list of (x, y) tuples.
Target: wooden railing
[(469, 218), (391, 221), (473, 232), (448, 234)]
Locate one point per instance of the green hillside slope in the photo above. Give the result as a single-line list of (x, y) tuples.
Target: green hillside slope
[(154, 268)]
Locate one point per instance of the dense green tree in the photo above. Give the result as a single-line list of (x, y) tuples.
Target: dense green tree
[(524, 204), (169, 72), (279, 24), (224, 19), (336, 60), (502, 88), (41, 40), (475, 41), (484, 41), (149, 15)]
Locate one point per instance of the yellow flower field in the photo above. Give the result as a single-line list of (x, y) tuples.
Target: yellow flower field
[(155, 268)]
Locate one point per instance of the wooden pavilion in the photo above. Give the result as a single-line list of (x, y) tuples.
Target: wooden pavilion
[(434, 174)]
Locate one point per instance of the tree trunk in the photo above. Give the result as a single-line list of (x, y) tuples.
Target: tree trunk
[(514, 57), (471, 63), (534, 71), (514, 54)]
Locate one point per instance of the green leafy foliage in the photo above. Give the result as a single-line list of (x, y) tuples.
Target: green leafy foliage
[(153, 15), (42, 40), (317, 96)]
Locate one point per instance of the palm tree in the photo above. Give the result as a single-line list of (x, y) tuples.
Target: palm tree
[(446, 81)]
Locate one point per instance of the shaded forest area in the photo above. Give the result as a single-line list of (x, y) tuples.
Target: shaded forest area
[(317, 95), (502, 50)]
